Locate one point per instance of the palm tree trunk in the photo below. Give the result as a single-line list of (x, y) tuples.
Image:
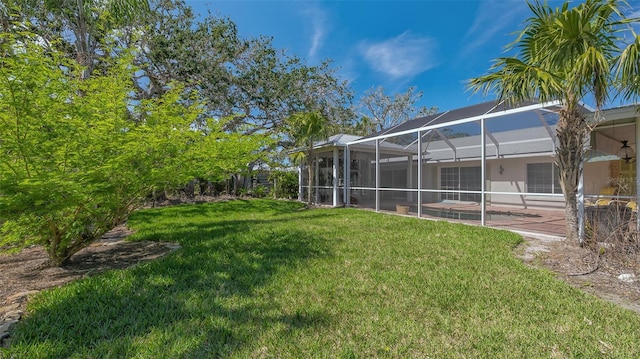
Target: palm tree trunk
[(572, 134)]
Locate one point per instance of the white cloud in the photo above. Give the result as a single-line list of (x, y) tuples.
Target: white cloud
[(348, 70), (403, 56), (494, 18), (317, 20)]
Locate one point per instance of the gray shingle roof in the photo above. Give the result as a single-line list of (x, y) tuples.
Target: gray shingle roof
[(449, 116)]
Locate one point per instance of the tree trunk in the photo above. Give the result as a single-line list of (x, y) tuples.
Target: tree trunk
[(190, 188), (60, 252), (572, 134), (203, 185), (84, 53), (234, 178)]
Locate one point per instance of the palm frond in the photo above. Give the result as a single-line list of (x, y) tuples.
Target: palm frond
[(628, 70), (514, 80), (563, 53), (592, 73)]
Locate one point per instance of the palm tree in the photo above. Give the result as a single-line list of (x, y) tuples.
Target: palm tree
[(567, 54), (304, 129)]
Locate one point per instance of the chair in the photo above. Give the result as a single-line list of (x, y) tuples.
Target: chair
[(607, 192), (632, 205)]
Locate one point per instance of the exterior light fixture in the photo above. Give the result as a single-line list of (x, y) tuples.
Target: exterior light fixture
[(626, 153)]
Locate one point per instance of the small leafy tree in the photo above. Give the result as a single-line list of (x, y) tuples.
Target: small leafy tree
[(74, 163), (220, 154)]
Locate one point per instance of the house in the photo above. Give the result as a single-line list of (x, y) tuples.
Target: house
[(486, 162)]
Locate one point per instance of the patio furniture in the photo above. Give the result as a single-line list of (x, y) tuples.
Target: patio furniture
[(607, 220), (402, 209), (607, 193)]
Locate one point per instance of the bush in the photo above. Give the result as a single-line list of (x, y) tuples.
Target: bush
[(285, 184), (260, 191), (79, 155)]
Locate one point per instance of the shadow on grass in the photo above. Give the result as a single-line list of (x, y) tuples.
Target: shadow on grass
[(211, 298)]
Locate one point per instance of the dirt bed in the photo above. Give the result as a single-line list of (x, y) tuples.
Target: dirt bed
[(584, 269)]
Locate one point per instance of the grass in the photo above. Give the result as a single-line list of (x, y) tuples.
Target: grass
[(271, 279)]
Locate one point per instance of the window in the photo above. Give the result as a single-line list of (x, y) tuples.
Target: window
[(461, 179), (449, 181), (543, 178)]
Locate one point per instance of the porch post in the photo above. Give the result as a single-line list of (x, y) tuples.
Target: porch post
[(483, 173), (335, 177), (317, 179), (377, 174), (300, 196), (419, 169), (346, 177), (409, 178)]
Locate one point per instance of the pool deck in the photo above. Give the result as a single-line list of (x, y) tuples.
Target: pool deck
[(540, 222), (548, 222)]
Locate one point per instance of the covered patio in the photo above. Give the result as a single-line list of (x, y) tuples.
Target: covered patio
[(488, 164)]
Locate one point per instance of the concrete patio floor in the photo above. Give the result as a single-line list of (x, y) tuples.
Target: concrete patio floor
[(546, 222), (541, 221)]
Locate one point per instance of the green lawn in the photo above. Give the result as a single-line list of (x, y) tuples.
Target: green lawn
[(271, 279)]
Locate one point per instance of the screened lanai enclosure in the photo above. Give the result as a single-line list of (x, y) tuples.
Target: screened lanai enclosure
[(488, 164)]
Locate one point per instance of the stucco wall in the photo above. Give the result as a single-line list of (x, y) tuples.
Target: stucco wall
[(596, 176), (503, 175), (513, 179)]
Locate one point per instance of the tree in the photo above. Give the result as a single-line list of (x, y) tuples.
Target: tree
[(381, 111), (78, 155), (221, 154), (85, 29), (317, 89), (248, 82), (71, 167), (567, 54), (305, 128), (319, 106), (90, 20)]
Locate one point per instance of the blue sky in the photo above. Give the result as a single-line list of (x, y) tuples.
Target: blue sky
[(434, 45)]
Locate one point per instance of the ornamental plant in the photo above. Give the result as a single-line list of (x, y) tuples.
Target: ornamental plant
[(78, 155)]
